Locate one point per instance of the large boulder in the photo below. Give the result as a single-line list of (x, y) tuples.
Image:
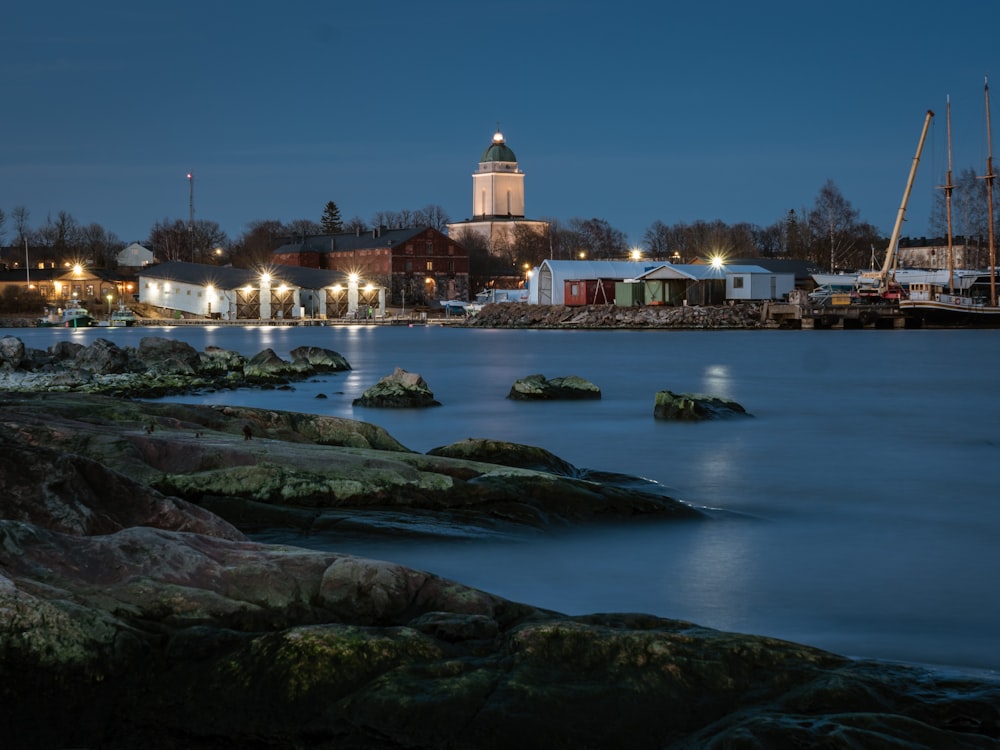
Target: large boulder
[(400, 390), (163, 355), (319, 359), (538, 388), (102, 357), (694, 407), (267, 366)]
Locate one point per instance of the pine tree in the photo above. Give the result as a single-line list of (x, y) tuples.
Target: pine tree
[(331, 221)]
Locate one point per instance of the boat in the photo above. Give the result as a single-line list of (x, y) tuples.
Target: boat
[(454, 306), (74, 315), (121, 317), (966, 298)]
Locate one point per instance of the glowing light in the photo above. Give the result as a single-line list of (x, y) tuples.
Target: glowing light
[(77, 269), (718, 261), (337, 288), (498, 137), (369, 288), (265, 278), (282, 289), (353, 278)]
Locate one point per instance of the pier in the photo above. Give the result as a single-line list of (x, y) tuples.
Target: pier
[(852, 316)]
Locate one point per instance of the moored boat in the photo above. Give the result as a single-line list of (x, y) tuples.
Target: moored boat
[(122, 317), (74, 315)]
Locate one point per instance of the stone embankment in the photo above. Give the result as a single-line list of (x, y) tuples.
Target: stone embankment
[(523, 315), (133, 616)]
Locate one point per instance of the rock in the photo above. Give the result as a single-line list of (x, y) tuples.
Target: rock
[(268, 366), (129, 618), (215, 359), (694, 407), (506, 454), (102, 357), (319, 359), (157, 367), (400, 390), (537, 388), (524, 315), (168, 356), (12, 352)]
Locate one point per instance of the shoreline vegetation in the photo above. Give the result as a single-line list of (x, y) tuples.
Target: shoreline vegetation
[(136, 610)]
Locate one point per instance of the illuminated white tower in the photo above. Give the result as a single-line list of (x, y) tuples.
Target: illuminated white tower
[(497, 199), (498, 185)]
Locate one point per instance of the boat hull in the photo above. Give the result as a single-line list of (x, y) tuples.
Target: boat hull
[(942, 314)]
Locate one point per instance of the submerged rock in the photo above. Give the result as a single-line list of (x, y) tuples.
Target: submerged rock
[(538, 388), (400, 390), (694, 407)]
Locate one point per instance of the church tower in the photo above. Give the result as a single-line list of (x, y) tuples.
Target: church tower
[(497, 199), (498, 185)]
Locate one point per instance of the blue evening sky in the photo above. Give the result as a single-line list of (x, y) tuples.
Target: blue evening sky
[(631, 112)]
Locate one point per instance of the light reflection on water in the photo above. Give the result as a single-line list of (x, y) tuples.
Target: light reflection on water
[(857, 507)]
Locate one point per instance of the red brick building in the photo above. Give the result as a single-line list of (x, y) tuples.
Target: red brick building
[(417, 265)]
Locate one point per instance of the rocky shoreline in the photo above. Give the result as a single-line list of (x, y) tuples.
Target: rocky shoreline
[(524, 315), (136, 610)]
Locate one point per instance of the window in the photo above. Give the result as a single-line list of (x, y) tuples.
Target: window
[(430, 265), (737, 282)]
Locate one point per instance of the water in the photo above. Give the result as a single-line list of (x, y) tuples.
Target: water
[(854, 512)]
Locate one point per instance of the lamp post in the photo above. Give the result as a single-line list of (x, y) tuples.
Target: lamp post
[(109, 298)]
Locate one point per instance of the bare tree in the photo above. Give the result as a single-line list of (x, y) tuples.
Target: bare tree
[(20, 216), (355, 225), (254, 248), (303, 227), (100, 246), (598, 239), (432, 216), (832, 221)]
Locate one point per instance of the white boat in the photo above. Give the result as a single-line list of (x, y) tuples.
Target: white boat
[(122, 317), (74, 315), (962, 298)]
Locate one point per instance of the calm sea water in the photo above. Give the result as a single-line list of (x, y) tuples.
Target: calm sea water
[(857, 511)]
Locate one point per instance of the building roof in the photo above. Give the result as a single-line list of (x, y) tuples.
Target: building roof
[(347, 241), (227, 277), (498, 150), (600, 269)]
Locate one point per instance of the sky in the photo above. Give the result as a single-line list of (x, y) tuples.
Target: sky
[(630, 112)]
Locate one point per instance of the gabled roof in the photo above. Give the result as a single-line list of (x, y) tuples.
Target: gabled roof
[(700, 271), (347, 241), (227, 277), (599, 269)]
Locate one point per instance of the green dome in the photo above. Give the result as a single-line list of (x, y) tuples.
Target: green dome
[(498, 150)]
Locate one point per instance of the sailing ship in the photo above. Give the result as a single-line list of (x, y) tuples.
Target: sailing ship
[(969, 299)]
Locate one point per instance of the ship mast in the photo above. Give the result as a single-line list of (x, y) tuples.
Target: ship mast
[(948, 188), (989, 199), (890, 255)]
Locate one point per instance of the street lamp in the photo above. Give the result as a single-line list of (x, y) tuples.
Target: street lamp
[(109, 305)]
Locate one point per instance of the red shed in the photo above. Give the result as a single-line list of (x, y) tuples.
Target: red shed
[(578, 292)]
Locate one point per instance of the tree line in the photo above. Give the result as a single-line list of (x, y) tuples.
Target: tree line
[(830, 234)]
